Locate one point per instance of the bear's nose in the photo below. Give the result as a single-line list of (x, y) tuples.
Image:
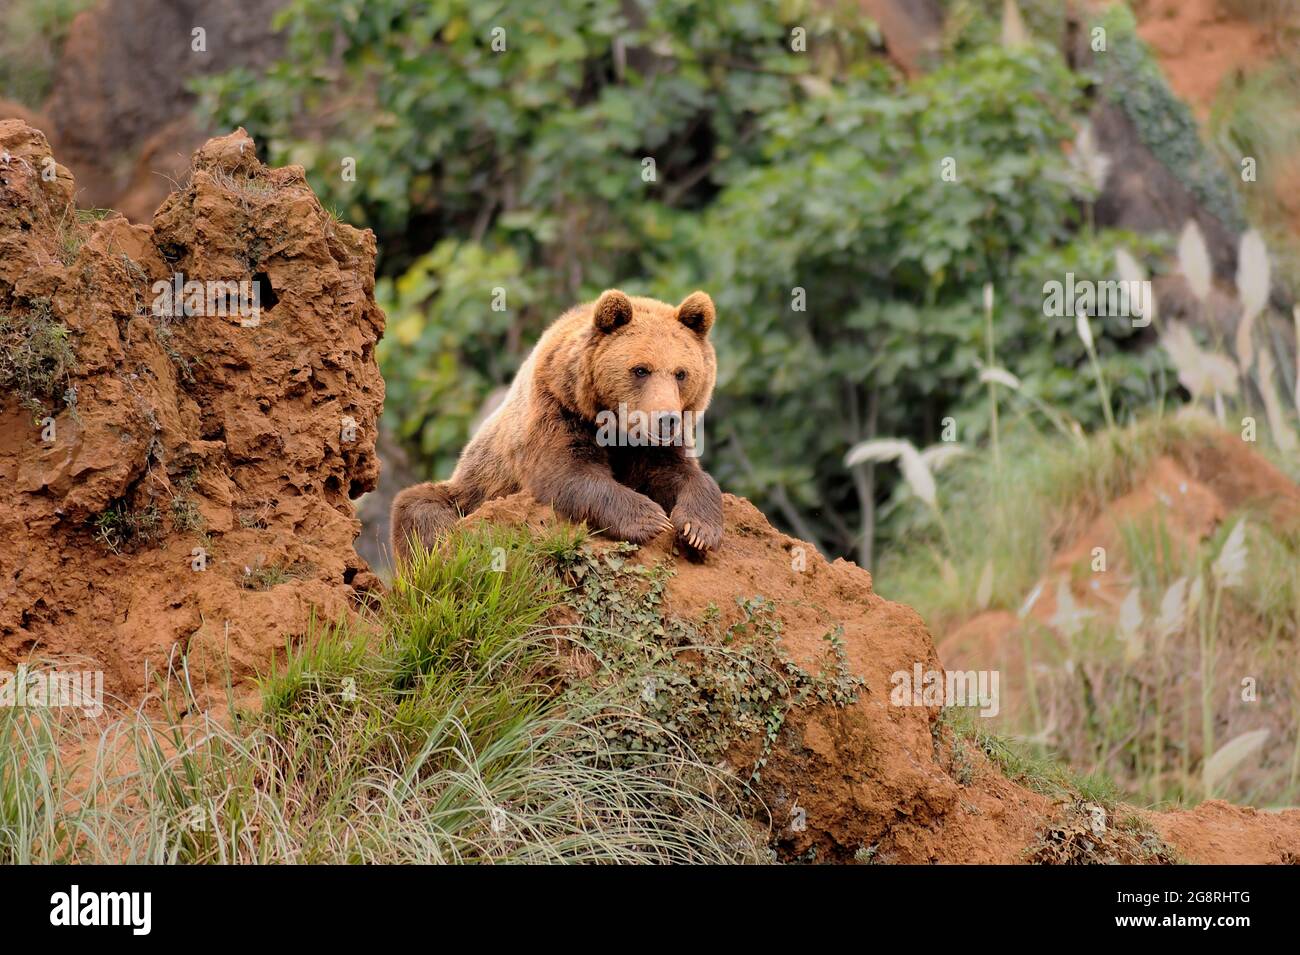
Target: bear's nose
[(669, 423)]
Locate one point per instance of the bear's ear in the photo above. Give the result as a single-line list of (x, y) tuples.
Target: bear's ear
[(613, 310), (696, 313)]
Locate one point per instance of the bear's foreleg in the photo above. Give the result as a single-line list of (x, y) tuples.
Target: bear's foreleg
[(423, 512), (587, 491), (691, 497)]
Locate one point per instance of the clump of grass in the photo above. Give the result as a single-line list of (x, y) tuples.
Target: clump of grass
[(32, 774), (397, 738), (121, 527), (245, 186), (69, 234), (94, 215), (1050, 487), (1041, 772), (37, 359), (185, 514), (474, 594), (1094, 827), (265, 576), (1166, 694), (254, 517), (1153, 691)]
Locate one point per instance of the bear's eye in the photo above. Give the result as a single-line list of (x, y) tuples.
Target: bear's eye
[(641, 371), (681, 375)]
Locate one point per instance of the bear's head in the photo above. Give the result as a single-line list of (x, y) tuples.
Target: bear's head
[(652, 362)]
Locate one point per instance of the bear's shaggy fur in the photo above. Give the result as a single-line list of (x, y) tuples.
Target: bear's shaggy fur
[(644, 359)]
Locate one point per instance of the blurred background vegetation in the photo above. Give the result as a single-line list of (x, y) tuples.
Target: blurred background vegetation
[(797, 180)]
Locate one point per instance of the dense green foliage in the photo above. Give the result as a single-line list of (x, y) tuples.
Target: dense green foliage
[(802, 188)]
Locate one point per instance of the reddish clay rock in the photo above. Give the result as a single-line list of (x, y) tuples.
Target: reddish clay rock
[(226, 441), (870, 778), (875, 780)]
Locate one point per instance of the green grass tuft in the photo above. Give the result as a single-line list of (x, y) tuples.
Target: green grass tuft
[(430, 731), (36, 358)]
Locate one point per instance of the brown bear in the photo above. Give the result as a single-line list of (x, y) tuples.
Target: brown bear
[(598, 423)]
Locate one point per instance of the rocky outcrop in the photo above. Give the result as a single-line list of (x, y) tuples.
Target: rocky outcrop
[(877, 776), (179, 470)]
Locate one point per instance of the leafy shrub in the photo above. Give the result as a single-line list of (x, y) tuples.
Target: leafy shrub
[(507, 185)]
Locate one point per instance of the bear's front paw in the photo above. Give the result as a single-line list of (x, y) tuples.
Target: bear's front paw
[(646, 523), (701, 533)]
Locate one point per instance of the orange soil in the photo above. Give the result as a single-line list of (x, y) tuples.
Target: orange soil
[(874, 775), (251, 417), (1199, 46)]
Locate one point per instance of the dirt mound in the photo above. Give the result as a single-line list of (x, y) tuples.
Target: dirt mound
[(1186, 493), (875, 780), (1112, 635), (180, 468), (1219, 833)]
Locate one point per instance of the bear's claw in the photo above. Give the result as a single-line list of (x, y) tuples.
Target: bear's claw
[(647, 526), (700, 535)]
